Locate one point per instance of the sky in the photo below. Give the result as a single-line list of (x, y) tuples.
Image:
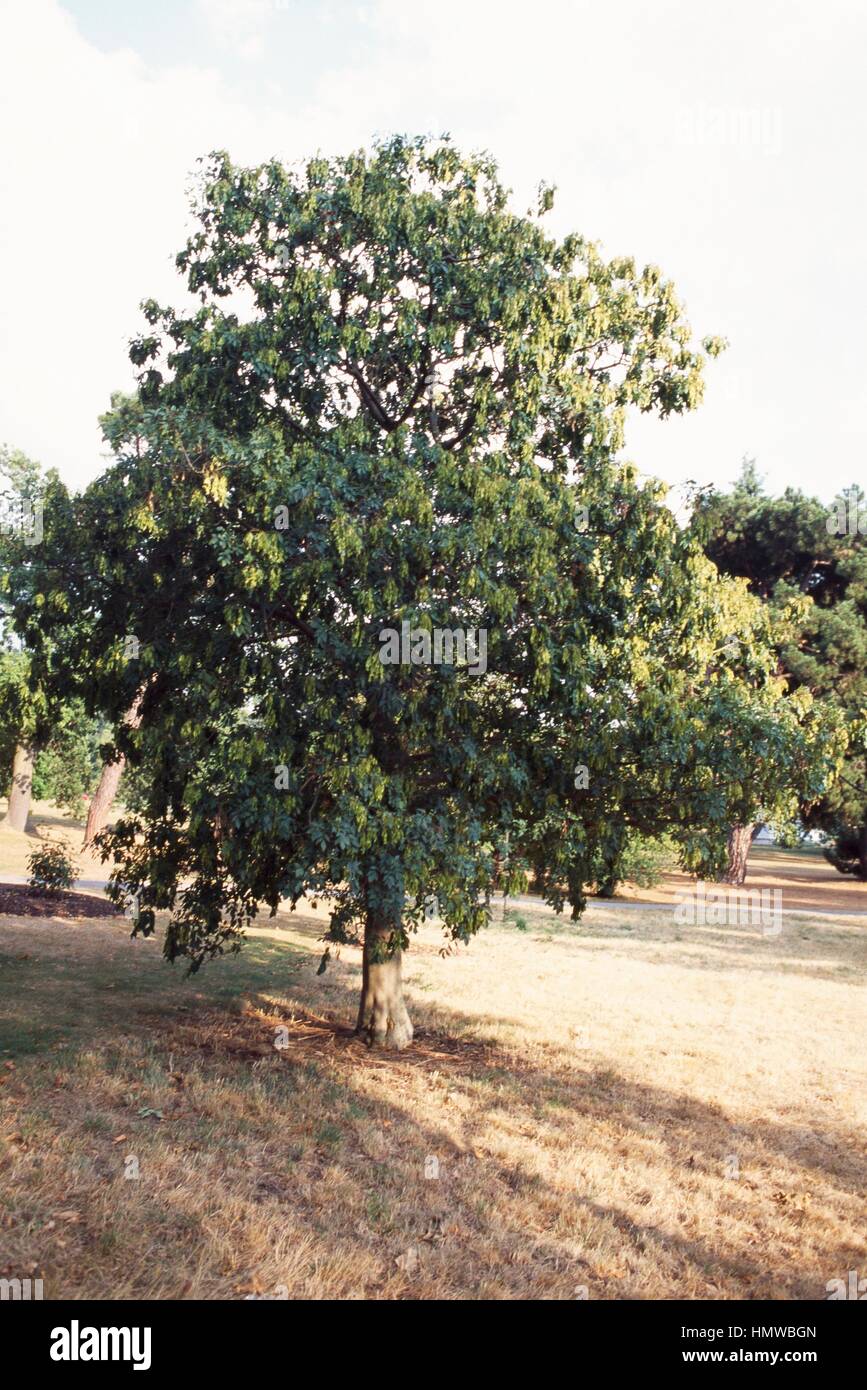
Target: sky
[(723, 143)]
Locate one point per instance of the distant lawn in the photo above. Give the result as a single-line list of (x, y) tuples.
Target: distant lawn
[(807, 850), (48, 820), (626, 1108)]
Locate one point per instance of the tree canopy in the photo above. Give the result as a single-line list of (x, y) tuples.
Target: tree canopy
[(807, 562), (398, 408)]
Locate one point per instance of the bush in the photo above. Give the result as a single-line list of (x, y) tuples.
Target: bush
[(642, 860), (844, 852), (646, 858), (52, 867), (787, 834)]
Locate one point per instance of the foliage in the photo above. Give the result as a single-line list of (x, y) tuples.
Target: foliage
[(52, 866), (14, 707), (788, 834), (27, 714), (848, 851), (399, 402), (647, 858), (808, 564), (68, 767)]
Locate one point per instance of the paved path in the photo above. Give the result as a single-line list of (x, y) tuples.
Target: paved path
[(97, 884)]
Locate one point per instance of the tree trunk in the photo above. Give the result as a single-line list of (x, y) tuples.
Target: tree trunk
[(102, 800), (740, 839), (109, 781), (862, 851), (21, 790), (498, 869), (382, 1015)]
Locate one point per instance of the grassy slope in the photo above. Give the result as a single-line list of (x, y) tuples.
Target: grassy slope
[(583, 1091)]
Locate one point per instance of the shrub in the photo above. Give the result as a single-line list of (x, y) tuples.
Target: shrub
[(52, 867), (642, 860)]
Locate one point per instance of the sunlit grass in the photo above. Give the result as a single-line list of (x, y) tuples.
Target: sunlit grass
[(618, 1106)]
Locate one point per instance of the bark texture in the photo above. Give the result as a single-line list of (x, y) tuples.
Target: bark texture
[(21, 790), (102, 800), (109, 781), (740, 839), (382, 1017)]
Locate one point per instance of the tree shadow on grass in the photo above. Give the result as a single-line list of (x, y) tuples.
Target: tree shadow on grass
[(311, 1157), (510, 1210)]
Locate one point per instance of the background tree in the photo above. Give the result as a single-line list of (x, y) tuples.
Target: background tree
[(125, 412), (19, 714), (49, 735), (398, 402), (23, 710), (68, 766), (808, 563)]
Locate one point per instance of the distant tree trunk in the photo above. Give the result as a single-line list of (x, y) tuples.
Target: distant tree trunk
[(862, 851), (21, 790), (103, 798), (382, 1015), (740, 839), (498, 869)]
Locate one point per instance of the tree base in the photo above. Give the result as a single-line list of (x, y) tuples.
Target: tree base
[(383, 1020), (394, 1034), (740, 839)]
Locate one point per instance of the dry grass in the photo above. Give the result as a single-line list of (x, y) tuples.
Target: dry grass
[(803, 876), (47, 821), (582, 1091)]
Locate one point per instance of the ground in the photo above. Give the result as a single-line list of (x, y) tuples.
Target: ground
[(803, 876), (48, 822), (622, 1108)]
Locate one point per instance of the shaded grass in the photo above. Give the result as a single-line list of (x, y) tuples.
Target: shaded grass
[(565, 1122)]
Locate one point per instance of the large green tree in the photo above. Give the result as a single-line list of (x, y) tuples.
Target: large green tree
[(807, 562), (399, 403)]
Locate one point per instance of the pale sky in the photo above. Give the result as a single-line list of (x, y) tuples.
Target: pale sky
[(722, 142)]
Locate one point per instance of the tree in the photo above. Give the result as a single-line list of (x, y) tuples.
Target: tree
[(54, 750), (22, 710), (106, 789), (125, 408), (17, 715), (807, 562), (67, 766), (389, 584)]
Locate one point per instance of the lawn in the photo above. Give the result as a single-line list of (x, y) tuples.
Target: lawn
[(47, 822), (625, 1108)]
